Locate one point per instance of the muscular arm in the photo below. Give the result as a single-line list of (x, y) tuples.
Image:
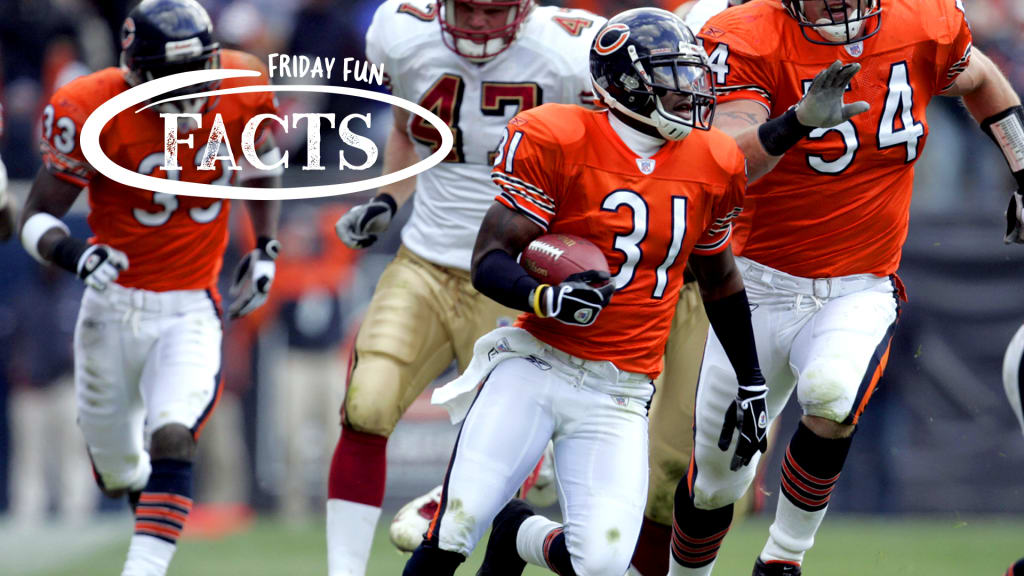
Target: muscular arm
[(503, 235), (984, 88), (264, 213), (399, 153), (741, 119), (717, 275), (53, 196)]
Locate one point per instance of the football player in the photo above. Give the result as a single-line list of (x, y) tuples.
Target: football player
[(7, 216), (147, 342), (820, 238), (474, 63), (652, 185), (1013, 382)]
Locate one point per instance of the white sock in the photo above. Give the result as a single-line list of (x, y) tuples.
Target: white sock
[(792, 532), (350, 528), (530, 539), (148, 556), (677, 569)]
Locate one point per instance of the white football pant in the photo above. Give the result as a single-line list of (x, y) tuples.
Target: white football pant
[(828, 338), (597, 419), (142, 360)]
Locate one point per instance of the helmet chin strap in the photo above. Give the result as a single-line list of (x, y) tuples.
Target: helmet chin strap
[(669, 126)]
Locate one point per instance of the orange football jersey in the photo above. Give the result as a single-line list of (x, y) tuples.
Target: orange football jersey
[(172, 242), (838, 202), (566, 169)]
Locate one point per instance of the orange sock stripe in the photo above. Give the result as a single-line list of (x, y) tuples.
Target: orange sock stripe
[(165, 498), (548, 540), (683, 537), (161, 529), (795, 480), (806, 475), (791, 492), (169, 515)]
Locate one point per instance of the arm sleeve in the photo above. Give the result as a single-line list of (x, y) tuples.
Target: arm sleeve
[(958, 51), (738, 75), (61, 125), (524, 171), (726, 208)]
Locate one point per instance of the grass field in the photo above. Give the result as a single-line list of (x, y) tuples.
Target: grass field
[(934, 546)]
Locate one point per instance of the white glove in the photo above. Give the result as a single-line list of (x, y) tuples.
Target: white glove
[(361, 225), (100, 265), (822, 106), (253, 277)]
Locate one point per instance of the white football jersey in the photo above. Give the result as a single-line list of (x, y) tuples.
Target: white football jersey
[(549, 61), (702, 11)]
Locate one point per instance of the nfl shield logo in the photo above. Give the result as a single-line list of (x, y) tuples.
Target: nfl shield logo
[(856, 49), (646, 165)]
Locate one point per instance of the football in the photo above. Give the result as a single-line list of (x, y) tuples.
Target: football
[(554, 257)]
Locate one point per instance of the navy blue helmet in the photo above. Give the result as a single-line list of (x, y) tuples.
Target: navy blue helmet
[(641, 55), (163, 37)]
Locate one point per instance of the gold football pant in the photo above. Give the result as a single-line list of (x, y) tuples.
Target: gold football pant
[(421, 317)]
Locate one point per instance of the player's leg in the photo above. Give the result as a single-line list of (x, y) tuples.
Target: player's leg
[(1013, 375), (705, 498), (180, 384), (109, 357), (503, 435), (1017, 569), (839, 355), (671, 429), (401, 347), (601, 463)]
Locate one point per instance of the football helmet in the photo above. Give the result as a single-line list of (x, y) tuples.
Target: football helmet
[(481, 45), (836, 22), (164, 37), (641, 55)]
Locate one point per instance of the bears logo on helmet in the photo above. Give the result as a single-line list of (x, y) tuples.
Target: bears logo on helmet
[(641, 55)]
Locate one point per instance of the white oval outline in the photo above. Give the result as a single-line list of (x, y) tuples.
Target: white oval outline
[(89, 139)]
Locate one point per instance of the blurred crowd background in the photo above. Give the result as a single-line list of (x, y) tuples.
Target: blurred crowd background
[(937, 435)]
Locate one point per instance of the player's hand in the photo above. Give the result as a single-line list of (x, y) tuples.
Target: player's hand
[(361, 225), (822, 106), (748, 413), (1015, 219), (252, 279), (578, 300), (100, 265)]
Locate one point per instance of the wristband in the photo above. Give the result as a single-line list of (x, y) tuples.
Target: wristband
[(68, 252), (499, 277), (268, 246), (537, 293), (782, 133), (35, 228), (1006, 129), (389, 200)]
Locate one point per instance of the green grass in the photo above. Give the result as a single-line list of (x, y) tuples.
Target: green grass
[(846, 546)]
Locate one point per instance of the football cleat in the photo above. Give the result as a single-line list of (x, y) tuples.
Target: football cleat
[(502, 557), (413, 520), (540, 489), (775, 568)]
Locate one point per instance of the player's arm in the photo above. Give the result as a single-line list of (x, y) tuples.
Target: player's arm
[(496, 273), (48, 240), (8, 223), (254, 275), (992, 101), (361, 225), (728, 310), (764, 141)]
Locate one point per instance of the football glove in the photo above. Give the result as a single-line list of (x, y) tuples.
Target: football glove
[(99, 266), (575, 301), (361, 225), (253, 277), (748, 413), (822, 106), (1015, 219)]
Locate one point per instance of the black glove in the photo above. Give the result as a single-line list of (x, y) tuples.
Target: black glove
[(578, 300), (361, 225), (749, 413), (1015, 219)]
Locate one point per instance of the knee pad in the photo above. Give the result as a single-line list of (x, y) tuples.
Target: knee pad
[(725, 491), (127, 473), (606, 557), (373, 401), (827, 388)]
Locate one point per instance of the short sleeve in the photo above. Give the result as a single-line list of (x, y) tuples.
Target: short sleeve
[(61, 125), (959, 55), (376, 45), (524, 170), (726, 208), (738, 75)]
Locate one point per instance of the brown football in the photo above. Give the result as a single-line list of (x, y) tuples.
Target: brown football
[(554, 257)]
